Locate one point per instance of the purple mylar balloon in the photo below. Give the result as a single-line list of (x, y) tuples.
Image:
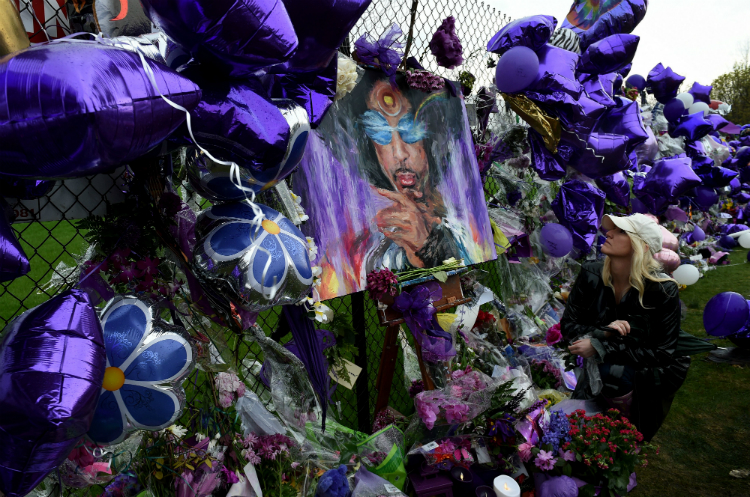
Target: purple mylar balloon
[(741, 198), (52, 365), (668, 258), (75, 109), (647, 151), (609, 54), (321, 26), (735, 186), (579, 206), (516, 70), (600, 88), (718, 122), (556, 240), (664, 83), (698, 234), (549, 166), (670, 178), (674, 213), (692, 127), (25, 189), (626, 120), (556, 61), (314, 91), (604, 155), (532, 32), (727, 242), (616, 187), (636, 81), (238, 36), (236, 121), (13, 260), (725, 314), (705, 197), (604, 19), (701, 93), (674, 110)]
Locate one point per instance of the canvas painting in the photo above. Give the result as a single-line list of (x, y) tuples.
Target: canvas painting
[(390, 180)]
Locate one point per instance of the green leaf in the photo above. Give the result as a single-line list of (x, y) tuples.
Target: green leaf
[(587, 490), (215, 368), (568, 470), (441, 276)]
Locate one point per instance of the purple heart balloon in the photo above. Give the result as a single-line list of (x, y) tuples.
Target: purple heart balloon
[(13, 260), (532, 32), (238, 36), (52, 365), (516, 70), (610, 54), (600, 88), (75, 109)]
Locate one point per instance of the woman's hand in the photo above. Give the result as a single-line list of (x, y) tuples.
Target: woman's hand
[(622, 327), (582, 348)]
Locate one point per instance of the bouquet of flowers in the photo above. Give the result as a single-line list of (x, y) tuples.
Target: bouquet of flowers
[(603, 450), (545, 375), (466, 396)]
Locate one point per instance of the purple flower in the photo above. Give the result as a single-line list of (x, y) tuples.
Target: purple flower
[(553, 334), (427, 411), (567, 455), (545, 460), (424, 81), (456, 413), (524, 450), (445, 45), (381, 283)]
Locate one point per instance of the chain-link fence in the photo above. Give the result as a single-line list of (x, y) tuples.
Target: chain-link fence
[(48, 236)]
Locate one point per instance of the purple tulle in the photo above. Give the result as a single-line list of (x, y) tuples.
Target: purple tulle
[(385, 52), (445, 45)]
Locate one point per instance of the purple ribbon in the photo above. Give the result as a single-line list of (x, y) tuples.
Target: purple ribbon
[(385, 52), (421, 318)]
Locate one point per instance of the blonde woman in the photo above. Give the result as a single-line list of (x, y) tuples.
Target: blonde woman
[(623, 317)]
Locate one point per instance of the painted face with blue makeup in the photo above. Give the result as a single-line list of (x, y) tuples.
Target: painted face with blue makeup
[(397, 139)]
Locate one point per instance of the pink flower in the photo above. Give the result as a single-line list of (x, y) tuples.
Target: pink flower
[(456, 413), (545, 460), (567, 455), (225, 399), (553, 334), (524, 450), (149, 266), (428, 412)]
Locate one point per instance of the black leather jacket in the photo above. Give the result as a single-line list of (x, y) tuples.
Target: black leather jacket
[(649, 348)]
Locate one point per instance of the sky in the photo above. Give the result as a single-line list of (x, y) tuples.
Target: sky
[(698, 39)]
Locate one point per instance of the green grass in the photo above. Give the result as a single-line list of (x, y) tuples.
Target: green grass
[(707, 432)]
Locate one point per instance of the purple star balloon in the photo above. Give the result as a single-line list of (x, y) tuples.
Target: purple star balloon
[(693, 127), (616, 187), (701, 93), (52, 363), (532, 32), (600, 88), (314, 91), (664, 83), (549, 166), (604, 155), (625, 120), (579, 207), (670, 178), (76, 109)]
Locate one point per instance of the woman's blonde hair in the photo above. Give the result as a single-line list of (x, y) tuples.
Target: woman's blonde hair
[(643, 267)]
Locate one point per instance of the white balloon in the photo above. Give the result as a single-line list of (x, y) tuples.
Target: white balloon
[(745, 240), (686, 274), (686, 99), (699, 107)]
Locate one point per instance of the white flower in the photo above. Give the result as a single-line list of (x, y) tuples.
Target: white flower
[(177, 430), (199, 437), (317, 271), (346, 78), (312, 248), (298, 207), (323, 313)]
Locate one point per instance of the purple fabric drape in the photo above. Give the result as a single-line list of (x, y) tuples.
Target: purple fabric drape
[(421, 318)]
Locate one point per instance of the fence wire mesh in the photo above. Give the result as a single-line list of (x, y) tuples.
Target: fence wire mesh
[(47, 234)]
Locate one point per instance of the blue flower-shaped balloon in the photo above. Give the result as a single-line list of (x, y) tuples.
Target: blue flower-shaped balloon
[(147, 360), (259, 266)]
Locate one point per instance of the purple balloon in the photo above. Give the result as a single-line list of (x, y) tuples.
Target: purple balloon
[(727, 242), (664, 83), (639, 206), (56, 122), (549, 166), (237, 36), (25, 189), (609, 18), (674, 110), (556, 240), (237, 122), (616, 187), (698, 234), (609, 55), (693, 127), (626, 120), (556, 61), (647, 151), (705, 197), (600, 88), (605, 154), (321, 28), (532, 32), (636, 81), (314, 91), (726, 314), (670, 178), (13, 260), (701, 93), (579, 207), (516, 70), (52, 364), (742, 198)]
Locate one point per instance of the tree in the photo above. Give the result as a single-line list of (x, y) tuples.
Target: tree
[(734, 89)]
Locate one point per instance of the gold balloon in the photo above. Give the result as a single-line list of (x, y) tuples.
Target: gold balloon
[(12, 33), (547, 126)]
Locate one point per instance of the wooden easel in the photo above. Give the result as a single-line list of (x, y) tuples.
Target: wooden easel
[(452, 296)]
